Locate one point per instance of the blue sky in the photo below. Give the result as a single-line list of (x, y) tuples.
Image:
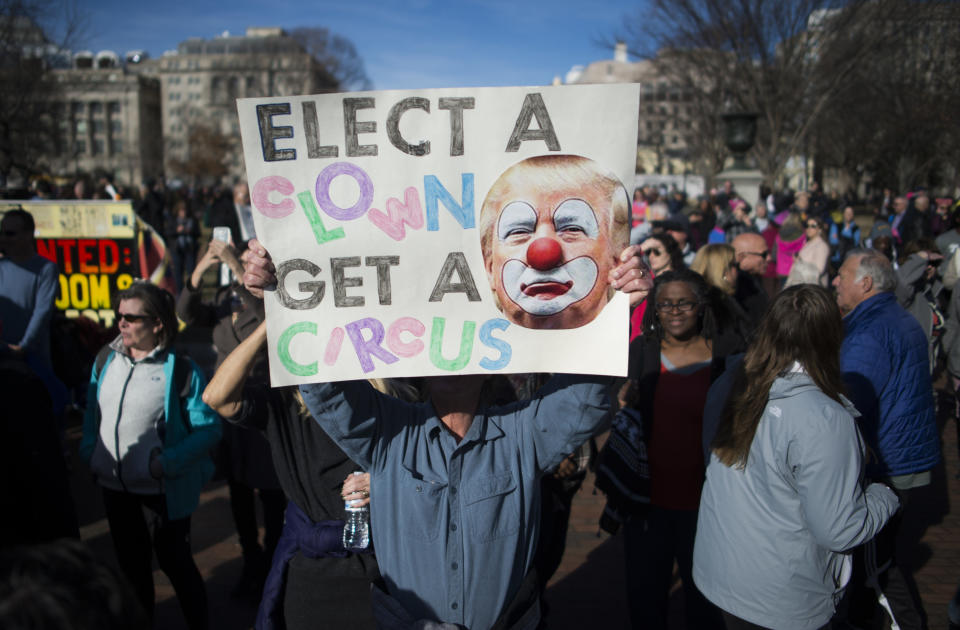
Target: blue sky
[(405, 44)]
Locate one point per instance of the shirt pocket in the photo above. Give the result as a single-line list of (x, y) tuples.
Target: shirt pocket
[(491, 506), (420, 508)]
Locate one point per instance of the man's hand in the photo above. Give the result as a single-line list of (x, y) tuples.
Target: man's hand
[(356, 489), (258, 270), (933, 259), (632, 276)]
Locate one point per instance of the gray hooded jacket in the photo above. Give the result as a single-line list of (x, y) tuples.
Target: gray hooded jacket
[(772, 539)]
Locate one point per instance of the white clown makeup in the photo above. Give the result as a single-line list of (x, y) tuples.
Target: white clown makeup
[(551, 229), (544, 282)]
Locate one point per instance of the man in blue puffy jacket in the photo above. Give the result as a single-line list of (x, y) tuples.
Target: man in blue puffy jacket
[(887, 373)]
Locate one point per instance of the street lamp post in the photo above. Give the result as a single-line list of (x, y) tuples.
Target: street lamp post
[(740, 132)]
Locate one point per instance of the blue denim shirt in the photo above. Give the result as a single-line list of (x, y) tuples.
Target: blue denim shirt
[(455, 526)]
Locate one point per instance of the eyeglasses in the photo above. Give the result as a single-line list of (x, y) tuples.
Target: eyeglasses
[(682, 307), (133, 319), (654, 251), (813, 225), (762, 254)]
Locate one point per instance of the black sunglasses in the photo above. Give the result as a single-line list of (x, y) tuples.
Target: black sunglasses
[(654, 251), (133, 319)]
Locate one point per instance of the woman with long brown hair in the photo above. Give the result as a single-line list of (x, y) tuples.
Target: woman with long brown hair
[(784, 496)]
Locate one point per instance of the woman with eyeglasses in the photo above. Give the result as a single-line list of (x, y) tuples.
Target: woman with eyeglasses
[(815, 252), (785, 498), (661, 253), (147, 436), (672, 365)]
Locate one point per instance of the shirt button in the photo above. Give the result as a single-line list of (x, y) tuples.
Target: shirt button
[(454, 566), (453, 527), (453, 605)]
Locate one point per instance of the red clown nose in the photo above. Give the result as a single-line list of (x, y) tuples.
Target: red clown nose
[(544, 253)]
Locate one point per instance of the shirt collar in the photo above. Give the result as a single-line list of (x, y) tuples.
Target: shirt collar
[(483, 429)]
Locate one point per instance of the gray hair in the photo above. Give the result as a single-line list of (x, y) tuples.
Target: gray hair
[(878, 267)]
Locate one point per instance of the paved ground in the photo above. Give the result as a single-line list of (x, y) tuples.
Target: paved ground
[(588, 589)]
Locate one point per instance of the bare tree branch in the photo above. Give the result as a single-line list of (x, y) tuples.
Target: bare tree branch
[(335, 53)]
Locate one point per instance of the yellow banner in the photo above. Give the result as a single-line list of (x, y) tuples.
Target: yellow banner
[(74, 219)]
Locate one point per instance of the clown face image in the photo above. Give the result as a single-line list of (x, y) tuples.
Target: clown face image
[(547, 242)]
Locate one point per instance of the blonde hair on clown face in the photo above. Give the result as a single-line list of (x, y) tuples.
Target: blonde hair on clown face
[(555, 171)]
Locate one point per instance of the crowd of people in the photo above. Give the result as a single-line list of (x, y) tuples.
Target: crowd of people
[(781, 429)]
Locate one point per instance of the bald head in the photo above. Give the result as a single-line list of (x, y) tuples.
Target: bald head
[(752, 253)]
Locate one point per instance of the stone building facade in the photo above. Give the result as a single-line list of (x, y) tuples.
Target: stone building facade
[(108, 121), (132, 118), (200, 82), (665, 114)]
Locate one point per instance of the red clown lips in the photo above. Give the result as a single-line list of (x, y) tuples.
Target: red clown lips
[(546, 290)]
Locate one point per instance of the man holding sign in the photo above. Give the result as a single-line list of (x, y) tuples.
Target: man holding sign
[(455, 484)]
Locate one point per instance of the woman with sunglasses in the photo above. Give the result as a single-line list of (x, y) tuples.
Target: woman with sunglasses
[(661, 253), (816, 250), (672, 365), (147, 436)]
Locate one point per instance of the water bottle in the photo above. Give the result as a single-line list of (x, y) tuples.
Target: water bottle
[(356, 531)]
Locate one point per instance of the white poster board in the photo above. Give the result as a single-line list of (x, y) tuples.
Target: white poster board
[(373, 206)]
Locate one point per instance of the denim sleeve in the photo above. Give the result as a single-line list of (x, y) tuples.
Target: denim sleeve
[(351, 413), (566, 413)]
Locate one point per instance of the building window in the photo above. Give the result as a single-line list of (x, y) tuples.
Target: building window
[(98, 126), (63, 135), (96, 108), (76, 108), (116, 146), (116, 126), (97, 146), (113, 108)]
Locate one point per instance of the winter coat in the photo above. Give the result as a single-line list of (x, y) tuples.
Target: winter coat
[(772, 538), (187, 465), (887, 374), (919, 296)]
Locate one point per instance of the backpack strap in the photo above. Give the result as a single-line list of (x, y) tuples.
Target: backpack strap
[(102, 355), (181, 380)]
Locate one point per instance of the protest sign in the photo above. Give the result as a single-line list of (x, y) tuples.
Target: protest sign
[(94, 245), (431, 232)]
